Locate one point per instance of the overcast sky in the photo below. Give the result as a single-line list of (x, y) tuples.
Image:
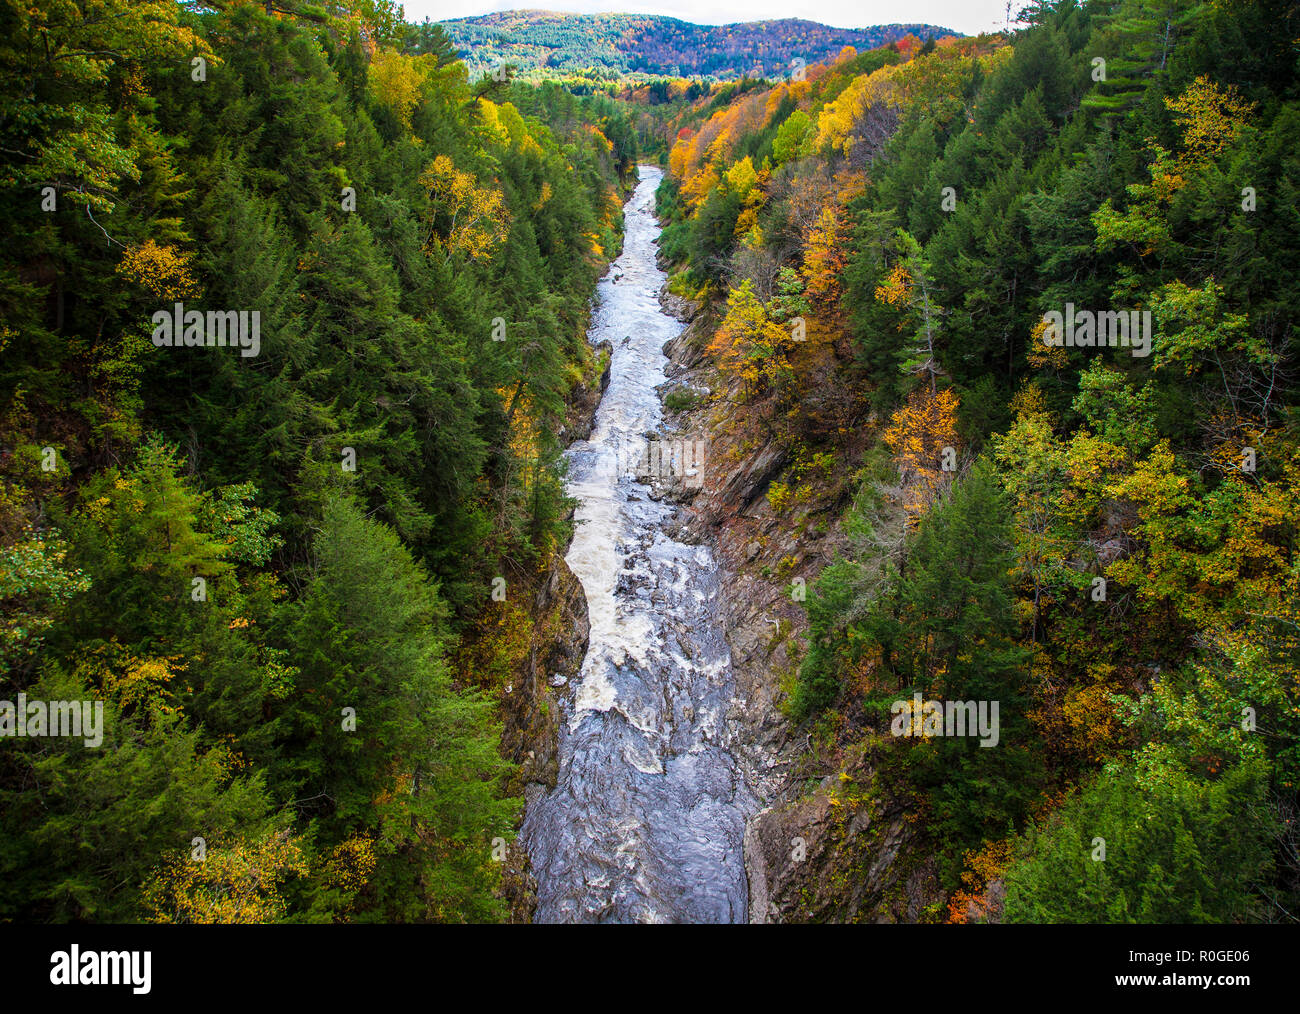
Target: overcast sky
[(969, 16)]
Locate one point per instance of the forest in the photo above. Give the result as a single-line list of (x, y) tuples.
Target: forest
[(293, 318), (267, 567), (1105, 543)]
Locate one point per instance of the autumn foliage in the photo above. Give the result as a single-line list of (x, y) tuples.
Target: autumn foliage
[(923, 436)]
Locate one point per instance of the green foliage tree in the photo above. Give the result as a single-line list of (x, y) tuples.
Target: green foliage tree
[(1120, 852), (383, 741)]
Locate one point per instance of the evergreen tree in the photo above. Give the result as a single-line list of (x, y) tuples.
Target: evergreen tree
[(383, 742)]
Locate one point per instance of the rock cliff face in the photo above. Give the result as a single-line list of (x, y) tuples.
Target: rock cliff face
[(530, 736), (827, 844), (558, 642)]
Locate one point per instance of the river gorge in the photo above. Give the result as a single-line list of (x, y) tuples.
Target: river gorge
[(647, 818)]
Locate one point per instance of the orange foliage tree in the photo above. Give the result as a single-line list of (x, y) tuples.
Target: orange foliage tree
[(919, 434)]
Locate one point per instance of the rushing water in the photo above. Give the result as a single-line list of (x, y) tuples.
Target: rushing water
[(647, 817)]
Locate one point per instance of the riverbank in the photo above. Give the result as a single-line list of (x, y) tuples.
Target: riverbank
[(825, 844)]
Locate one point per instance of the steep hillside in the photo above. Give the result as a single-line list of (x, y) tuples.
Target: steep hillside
[(309, 584), (653, 45), (927, 499)]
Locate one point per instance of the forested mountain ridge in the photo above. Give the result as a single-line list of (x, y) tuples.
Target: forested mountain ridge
[(935, 496), (268, 557), (657, 46)]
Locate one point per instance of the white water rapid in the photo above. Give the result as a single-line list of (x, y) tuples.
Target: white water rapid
[(647, 818)]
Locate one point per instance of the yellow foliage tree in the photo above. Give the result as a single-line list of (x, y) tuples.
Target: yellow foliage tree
[(477, 221), (840, 121), (742, 178), (1211, 116), (236, 884), (162, 271), (1213, 557), (749, 345), (1040, 354), (395, 82)]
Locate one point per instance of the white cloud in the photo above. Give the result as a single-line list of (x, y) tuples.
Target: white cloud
[(969, 16)]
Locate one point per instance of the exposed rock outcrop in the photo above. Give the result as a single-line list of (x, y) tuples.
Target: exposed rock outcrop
[(558, 643), (826, 846)]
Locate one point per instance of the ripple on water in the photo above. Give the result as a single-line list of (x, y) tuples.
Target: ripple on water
[(646, 821)]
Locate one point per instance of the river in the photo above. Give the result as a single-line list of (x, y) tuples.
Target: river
[(646, 821)]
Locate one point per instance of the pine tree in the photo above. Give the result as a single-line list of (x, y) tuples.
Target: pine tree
[(385, 743)]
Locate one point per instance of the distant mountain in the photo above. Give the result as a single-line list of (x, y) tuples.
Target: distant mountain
[(654, 45)]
